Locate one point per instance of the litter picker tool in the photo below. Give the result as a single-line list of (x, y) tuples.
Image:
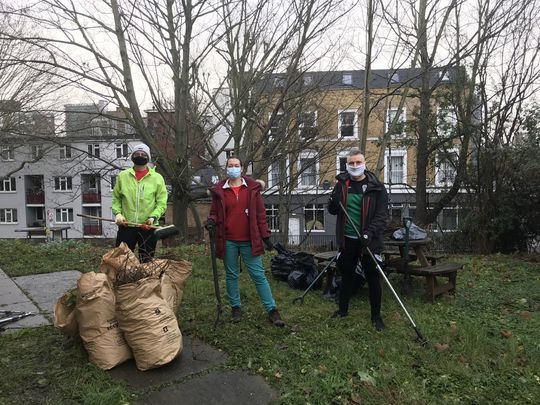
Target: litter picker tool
[(300, 299), (160, 232), (215, 273), (421, 339), (12, 316)]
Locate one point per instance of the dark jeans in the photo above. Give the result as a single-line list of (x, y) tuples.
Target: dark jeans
[(347, 262), (133, 236)]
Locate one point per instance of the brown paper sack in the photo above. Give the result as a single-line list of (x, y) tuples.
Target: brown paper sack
[(148, 323), (64, 315), (119, 258), (174, 274), (98, 327)]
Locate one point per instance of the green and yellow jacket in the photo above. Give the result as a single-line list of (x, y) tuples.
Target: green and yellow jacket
[(139, 200)]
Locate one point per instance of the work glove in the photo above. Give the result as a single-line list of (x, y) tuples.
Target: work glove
[(120, 220), (148, 223), (210, 225), (268, 244), (365, 240)]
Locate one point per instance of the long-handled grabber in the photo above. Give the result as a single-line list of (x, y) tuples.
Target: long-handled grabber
[(160, 232), (13, 316), (421, 339), (300, 299), (211, 232)]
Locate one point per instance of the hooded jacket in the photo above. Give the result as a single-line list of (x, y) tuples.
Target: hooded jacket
[(139, 200), (258, 228), (374, 210)]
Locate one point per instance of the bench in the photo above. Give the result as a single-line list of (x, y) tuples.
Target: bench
[(433, 289), (389, 255)]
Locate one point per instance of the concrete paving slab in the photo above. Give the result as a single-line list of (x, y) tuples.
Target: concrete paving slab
[(195, 357), (232, 387), (13, 299), (45, 289)]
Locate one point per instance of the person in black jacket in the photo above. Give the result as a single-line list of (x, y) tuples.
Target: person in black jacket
[(365, 199)]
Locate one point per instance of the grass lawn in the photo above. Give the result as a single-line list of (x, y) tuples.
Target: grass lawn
[(484, 344)]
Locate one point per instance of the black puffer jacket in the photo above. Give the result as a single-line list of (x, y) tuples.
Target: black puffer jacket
[(374, 210)]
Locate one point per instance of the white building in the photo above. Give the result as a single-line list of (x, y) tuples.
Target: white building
[(65, 176)]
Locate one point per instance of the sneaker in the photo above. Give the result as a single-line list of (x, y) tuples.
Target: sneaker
[(378, 323), (275, 318), (236, 314), (338, 314)]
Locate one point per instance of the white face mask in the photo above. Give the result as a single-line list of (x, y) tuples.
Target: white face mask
[(356, 171)]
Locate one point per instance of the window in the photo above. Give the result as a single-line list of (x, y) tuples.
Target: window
[(308, 169), (307, 124), (7, 153), (449, 219), (65, 152), (412, 211), (446, 122), (36, 151), (64, 215), (314, 217), (8, 185), (121, 151), (394, 77), (93, 151), (40, 213), (395, 170), (272, 217), (113, 181), (276, 125), (446, 168), (396, 211), (274, 172), (215, 179), (8, 215), (229, 153), (399, 128), (63, 183), (347, 124), (308, 80), (341, 162), (279, 82), (346, 78), (444, 76)]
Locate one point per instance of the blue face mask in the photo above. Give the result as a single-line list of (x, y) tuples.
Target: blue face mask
[(233, 172)]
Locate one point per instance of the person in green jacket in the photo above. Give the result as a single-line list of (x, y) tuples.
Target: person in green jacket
[(139, 197)]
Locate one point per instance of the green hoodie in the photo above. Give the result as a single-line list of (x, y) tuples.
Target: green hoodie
[(139, 200)]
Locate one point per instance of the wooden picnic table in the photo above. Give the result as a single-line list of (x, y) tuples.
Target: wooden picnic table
[(56, 231)]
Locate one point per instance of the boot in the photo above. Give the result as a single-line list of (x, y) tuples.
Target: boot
[(275, 318), (236, 314), (377, 323)]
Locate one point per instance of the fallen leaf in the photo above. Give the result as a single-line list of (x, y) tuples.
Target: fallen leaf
[(441, 347), (505, 311), (506, 334), (323, 368), (307, 390), (381, 352), (525, 314), (453, 326), (355, 398), (278, 374), (366, 378)]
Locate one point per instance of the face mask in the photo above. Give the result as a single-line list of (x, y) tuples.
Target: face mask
[(139, 160), (356, 171), (233, 172)]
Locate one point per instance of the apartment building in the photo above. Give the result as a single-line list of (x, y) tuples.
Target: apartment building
[(323, 124), (55, 177)]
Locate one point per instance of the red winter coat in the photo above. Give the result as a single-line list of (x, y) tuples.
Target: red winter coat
[(258, 228)]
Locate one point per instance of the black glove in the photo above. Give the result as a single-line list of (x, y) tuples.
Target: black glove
[(365, 240), (210, 224), (269, 245)]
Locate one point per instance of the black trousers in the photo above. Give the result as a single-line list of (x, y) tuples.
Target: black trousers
[(346, 263), (134, 236)]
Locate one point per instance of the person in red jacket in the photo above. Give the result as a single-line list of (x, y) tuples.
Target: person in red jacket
[(238, 217)]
